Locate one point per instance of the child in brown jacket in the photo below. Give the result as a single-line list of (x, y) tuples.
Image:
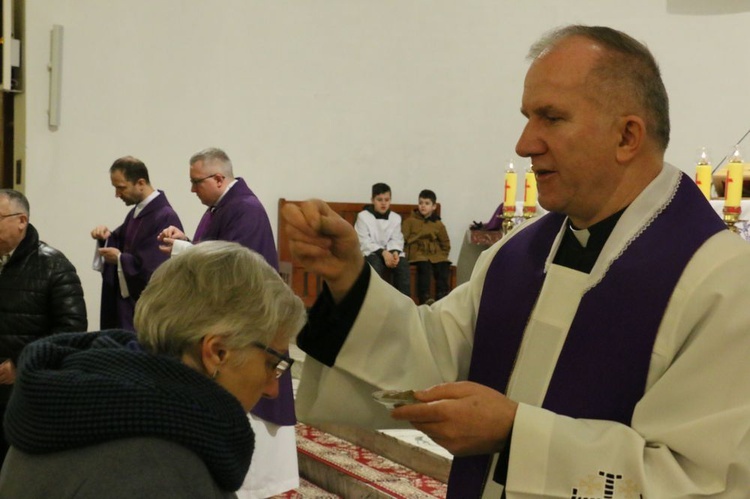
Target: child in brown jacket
[(427, 246)]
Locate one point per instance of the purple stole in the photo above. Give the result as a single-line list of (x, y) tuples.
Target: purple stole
[(602, 369)]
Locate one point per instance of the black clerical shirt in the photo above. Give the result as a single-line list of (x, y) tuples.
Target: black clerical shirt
[(574, 255)]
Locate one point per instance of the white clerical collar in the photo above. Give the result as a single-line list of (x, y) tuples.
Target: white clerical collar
[(582, 235), (139, 207), (224, 193)]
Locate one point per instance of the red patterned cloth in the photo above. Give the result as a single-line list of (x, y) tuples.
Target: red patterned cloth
[(307, 490), (365, 466)]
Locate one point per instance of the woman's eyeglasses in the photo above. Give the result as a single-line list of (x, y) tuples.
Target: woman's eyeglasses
[(284, 362)]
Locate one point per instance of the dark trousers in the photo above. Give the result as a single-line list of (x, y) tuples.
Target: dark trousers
[(400, 273), (425, 271)]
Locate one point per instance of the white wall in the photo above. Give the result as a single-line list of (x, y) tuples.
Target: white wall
[(323, 98)]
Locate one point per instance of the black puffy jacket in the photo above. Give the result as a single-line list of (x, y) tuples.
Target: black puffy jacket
[(40, 294)]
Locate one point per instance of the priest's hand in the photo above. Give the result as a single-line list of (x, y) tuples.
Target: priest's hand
[(100, 232), (464, 417), (110, 255), (324, 243), (167, 238)]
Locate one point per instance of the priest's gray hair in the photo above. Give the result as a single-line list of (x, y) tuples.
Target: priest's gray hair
[(220, 288), (627, 72), (214, 157)]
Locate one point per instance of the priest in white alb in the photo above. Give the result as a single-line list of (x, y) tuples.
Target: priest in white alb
[(598, 351)]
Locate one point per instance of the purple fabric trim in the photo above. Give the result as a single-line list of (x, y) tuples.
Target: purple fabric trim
[(617, 319), (495, 221), (280, 410)]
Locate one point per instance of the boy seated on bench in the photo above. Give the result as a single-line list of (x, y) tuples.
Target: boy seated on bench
[(428, 246), (381, 240)]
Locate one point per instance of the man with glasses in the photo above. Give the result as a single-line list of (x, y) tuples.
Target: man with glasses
[(130, 253), (40, 292), (234, 213)]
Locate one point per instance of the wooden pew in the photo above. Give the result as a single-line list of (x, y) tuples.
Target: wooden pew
[(307, 285)]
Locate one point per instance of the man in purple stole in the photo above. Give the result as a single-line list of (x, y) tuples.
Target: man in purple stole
[(598, 351), (131, 253), (234, 213)]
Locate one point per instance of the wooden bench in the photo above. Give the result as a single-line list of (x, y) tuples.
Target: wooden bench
[(308, 285)]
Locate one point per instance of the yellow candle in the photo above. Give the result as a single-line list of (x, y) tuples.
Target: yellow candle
[(703, 179), (529, 194), (733, 189), (511, 186)]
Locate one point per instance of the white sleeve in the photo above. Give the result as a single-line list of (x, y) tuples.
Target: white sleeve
[(179, 246), (121, 280), (393, 344), (690, 433)]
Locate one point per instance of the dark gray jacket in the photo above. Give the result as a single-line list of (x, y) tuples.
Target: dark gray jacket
[(143, 468), (94, 415), (40, 294)]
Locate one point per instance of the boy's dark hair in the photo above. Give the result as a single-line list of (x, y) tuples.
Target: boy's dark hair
[(380, 188), (428, 194)]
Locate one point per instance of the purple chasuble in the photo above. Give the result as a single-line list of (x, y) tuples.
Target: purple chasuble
[(240, 217), (602, 369), (126, 306), (203, 225), (137, 241), (131, 234)]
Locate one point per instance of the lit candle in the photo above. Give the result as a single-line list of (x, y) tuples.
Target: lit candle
[(511, 186), (733, 189), (703, 174), (529, 193)]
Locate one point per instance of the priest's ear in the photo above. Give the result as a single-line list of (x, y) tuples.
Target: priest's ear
[(632, 131)]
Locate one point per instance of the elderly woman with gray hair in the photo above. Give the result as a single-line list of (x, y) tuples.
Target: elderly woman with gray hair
[(163, 414)]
